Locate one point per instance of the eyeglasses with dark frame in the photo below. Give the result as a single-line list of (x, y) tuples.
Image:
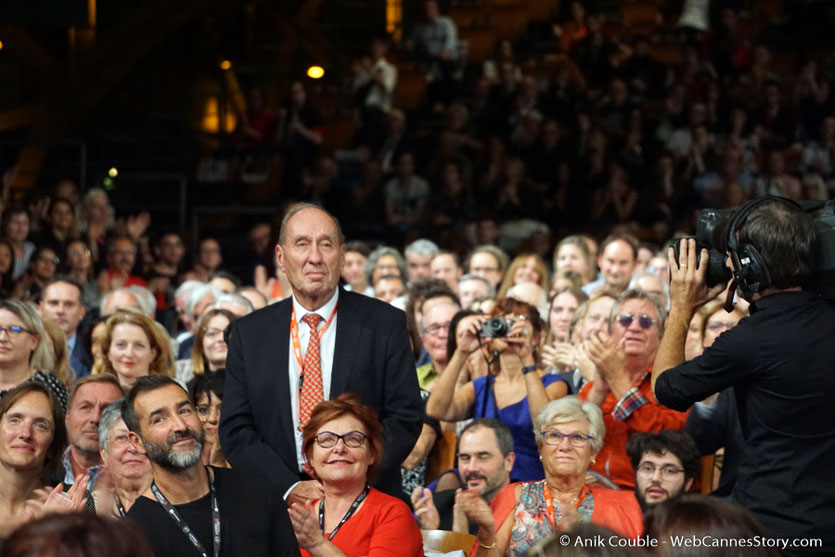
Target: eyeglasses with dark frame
[(553, 438), (352, 439), (14, 330), (668, 471), (644, 320)]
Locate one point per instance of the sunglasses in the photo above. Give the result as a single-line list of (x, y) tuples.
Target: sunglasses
[(644, 320)]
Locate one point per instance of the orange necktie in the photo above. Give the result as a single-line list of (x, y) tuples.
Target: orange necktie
[(311, 389)]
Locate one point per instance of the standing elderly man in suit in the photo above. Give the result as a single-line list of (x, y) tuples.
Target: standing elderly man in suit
[(314, 346)]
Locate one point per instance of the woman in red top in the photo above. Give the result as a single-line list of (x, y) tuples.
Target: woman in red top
[(343, 446), (568, 433)]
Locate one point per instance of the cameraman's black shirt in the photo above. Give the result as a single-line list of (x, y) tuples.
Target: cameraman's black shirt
[(781, 363)]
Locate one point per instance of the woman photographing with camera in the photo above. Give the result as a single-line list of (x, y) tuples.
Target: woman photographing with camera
[(514, 390)]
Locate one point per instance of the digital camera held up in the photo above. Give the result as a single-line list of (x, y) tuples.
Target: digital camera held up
[(496, 327)]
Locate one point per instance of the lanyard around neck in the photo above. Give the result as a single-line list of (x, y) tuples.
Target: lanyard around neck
[(294, 333), (172, 512), (360, 498), (549, 503)]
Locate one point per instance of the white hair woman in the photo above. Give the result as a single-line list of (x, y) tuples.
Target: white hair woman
[(569, 433)]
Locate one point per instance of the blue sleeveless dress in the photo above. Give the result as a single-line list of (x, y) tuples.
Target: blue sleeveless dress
[(517, 417)]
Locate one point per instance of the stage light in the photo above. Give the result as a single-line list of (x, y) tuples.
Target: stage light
[(315, 72), (113, 172), (225, 65)]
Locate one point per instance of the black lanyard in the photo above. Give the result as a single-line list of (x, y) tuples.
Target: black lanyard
[(172, 512), (360, 498), (119, 506)]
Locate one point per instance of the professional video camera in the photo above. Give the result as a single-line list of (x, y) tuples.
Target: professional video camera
[(712, 234)]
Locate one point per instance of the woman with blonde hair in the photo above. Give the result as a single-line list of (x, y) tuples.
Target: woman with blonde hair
[(134, 347), (57, 341), (24, 353), (210, 349), (527, 267)]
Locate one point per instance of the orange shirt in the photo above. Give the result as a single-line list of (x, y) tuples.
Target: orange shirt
[(381, 527), (622, 422)]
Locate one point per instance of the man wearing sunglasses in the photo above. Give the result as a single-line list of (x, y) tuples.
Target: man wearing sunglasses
[(623, 359), (779, 362)]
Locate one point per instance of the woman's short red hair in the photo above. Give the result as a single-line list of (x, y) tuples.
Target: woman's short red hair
[(347, 404)]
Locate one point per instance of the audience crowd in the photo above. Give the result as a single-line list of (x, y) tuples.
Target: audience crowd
[(520, 217)]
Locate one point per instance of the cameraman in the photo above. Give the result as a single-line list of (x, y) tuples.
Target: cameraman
[(781, 363)]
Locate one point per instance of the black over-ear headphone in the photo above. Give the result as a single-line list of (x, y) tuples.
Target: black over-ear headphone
[(749, 271)]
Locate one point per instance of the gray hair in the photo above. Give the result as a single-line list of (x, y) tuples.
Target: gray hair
[(231, 298), (198, 294), (41, 357), (571, 409), (377, 254), (635, 294), (665, 287), (422, 246), (184, 289), (105, 300), (491, 290), (147, 300), (109, 416)]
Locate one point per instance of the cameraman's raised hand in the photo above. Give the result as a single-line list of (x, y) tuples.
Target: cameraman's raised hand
[(688, 290)]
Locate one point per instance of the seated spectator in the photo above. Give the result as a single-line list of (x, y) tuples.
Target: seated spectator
[(562, 309), (128, 470), (206, 390), (80, 267), (374, 81), (488, 262), (618, 256), (59, 229), (16, 228), (346, 431), (207, 260), (209, 350), (237, 304), (569, 433), (29, 414), (445, 266), (389, 287), (27, 356), (485, 459), (121, 258), (42, 267), (419, 255), (435, 41), (255, 297), (572, 254), (96, 222), (121, 298), (524, 268), (666, 465), (383, 261), (623, 357), (474, 289), (514, 391), (353, 271), (135, 347)]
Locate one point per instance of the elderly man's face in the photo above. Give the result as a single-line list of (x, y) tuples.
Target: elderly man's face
[(470, 291), (638, 341), (436, 330)]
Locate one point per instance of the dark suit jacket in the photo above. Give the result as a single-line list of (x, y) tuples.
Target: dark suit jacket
[(80, 359), (372, 358)]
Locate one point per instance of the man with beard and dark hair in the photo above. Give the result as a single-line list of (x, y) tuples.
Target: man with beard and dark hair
[(190, 507), (665, 464), (485, 459)]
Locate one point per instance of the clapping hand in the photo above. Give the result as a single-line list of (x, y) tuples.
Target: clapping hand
[(425, 511)]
